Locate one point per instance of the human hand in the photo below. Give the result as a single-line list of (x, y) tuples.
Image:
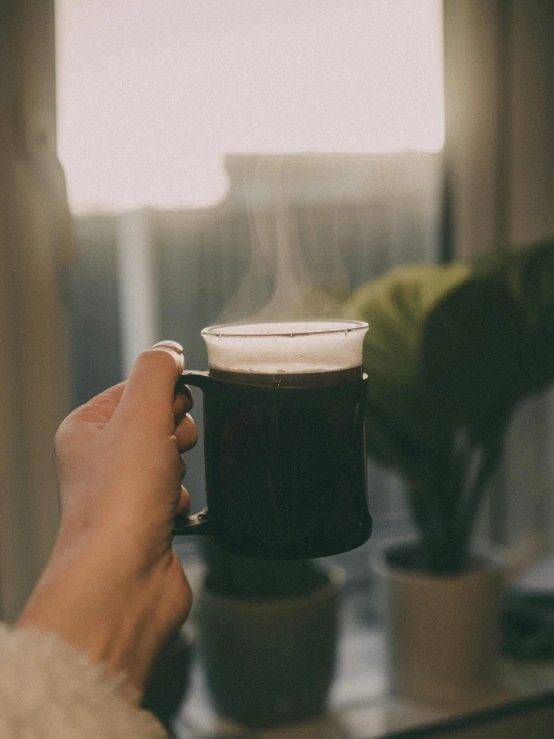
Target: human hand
[(113, 586)]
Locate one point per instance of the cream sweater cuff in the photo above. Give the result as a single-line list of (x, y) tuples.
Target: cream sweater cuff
[(49, 690)]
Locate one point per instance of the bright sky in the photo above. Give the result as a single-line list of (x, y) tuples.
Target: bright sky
[(152, 94)]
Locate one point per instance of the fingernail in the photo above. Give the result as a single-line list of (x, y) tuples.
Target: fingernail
[(168, 344)]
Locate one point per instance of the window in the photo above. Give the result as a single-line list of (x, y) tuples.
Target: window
[(225, 157), (153, 96)]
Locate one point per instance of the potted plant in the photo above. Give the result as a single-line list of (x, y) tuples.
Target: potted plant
[(268, 633), (451, 350)]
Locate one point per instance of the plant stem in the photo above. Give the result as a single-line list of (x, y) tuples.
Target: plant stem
[(491, 452)]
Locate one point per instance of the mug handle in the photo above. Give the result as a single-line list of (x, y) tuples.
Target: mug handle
[(198, 523)]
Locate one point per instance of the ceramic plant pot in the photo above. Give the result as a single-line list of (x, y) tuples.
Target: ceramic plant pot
[(442, 631), (270, 662)]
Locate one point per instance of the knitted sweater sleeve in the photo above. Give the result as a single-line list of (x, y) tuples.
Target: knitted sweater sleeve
[(49, 690)]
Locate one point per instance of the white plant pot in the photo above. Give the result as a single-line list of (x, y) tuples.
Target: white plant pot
[(270, 662), (442, 632)]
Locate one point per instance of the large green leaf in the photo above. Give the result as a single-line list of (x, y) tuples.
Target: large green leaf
[(490, 342), (472, 353), (452, 347), (529, 276), (396, 308)]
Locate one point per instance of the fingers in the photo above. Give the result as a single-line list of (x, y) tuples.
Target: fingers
[(182, 467), (149, 392), (146, 401), (183, 505), (186, 434), (182, 403)]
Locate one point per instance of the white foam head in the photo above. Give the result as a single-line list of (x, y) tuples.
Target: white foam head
[(286, 347)]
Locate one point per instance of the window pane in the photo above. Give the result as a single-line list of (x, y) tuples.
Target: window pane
[(227, 159), (153, 94)]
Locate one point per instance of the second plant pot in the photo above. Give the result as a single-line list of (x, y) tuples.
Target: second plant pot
[(442, 631)]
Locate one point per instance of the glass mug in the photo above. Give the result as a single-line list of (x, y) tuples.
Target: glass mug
[(284, 446)]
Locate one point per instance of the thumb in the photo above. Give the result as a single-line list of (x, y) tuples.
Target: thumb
[(150, 389)]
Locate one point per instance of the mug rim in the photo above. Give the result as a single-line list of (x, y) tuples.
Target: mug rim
[(342, 326)]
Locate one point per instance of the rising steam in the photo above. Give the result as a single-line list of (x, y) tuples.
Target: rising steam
[(291, 276)]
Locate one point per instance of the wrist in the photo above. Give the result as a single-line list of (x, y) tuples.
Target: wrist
[(118, 613)]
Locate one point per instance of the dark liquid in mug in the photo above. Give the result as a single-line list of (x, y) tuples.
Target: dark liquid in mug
[(286, 462)]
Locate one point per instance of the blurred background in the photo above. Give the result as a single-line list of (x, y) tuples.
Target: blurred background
[(172, 164)]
